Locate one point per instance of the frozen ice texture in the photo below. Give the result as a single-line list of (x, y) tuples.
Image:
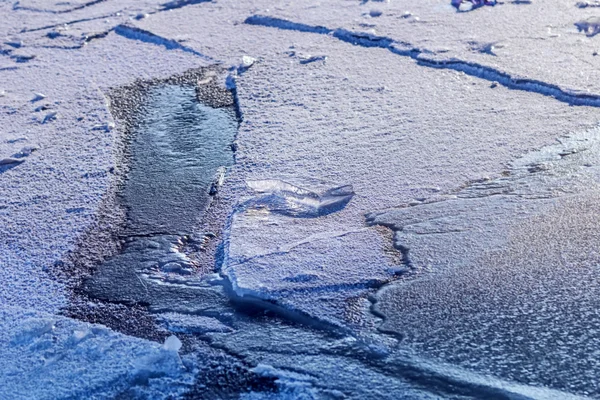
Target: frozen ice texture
[(44, 356), (396, 131), (286, 199), (505, 261)]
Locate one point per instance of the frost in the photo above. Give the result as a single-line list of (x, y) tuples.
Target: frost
[(32, 330), (502, 254)]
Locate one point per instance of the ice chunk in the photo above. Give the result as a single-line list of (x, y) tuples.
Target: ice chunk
[(172, 343), (287, 199), (590, 26), (38, 97), (586, 4), (248, 61), (469, 5), (10, 160), (49, 117), (185, 323), (25, 151)]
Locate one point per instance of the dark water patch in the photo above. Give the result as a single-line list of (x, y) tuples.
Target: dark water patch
[(176, 152), (176, 146), (166, 132)]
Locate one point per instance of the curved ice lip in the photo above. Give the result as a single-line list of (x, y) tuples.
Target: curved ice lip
[(287, 199)]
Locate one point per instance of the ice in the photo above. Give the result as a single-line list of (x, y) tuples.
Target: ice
[(248, 61), (585, 4), (38, 97), (522, 278), (591, 26), (49, 117), (46, 357), (286, 199), (172, 343), (10, 160), (183, 323), (469, 5), (395, 112)]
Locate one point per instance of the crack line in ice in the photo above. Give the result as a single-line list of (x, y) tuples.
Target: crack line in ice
[(405, 49), (290, 246), (16, 6), (134, 33), (76, 21), (175, 4), (82, 41)]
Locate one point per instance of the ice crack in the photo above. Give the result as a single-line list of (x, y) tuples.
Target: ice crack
[(134, 33), (405, 49)]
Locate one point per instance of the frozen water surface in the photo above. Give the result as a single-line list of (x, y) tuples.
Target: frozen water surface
[(522, 301), (439, 125)]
